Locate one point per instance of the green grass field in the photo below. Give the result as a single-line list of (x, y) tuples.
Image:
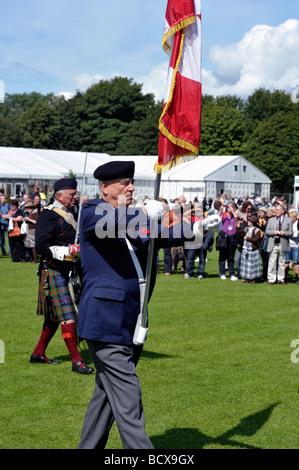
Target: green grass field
[(216, 371)]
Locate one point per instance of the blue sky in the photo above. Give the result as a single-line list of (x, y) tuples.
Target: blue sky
[(63, 45)]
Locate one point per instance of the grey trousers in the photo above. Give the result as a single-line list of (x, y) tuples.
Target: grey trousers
[(117, 396), (277, 256)]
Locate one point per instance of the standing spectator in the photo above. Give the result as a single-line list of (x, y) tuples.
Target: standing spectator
[(16, 240), (229, 235), (37, 203), (31, 216), (4, 209), (178, 253), (246, 209), (279, 230), (241, 224), (292, 254), (250, 258), (168, 219), (215, 208), (262, 224), (196, 250), (35, 192), (25, 199)]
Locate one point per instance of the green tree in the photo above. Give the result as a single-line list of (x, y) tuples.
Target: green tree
[(222, 126), (17, 103), (274, 149), (99, 119), (40, 126), (263, 104), (10, 133), (141, 137)]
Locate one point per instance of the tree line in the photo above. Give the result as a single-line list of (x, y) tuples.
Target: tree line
[(116, 117)]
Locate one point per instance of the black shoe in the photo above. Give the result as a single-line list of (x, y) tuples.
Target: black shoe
[(82, 369), (42, 360)]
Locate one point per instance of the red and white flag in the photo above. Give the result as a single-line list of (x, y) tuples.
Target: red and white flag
[(180, 122)]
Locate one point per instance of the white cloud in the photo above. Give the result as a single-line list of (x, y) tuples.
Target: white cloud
[(67, 94), (266, 57), (84, 81), (155, 81)]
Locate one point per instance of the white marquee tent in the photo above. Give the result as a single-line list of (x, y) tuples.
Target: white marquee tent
[(208, 176)]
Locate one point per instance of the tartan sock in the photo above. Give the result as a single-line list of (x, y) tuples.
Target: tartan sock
[(49, 330), (69, 335)]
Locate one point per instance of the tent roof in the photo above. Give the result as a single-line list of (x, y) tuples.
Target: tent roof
[(26, 163), (52, 164), (202, 168)]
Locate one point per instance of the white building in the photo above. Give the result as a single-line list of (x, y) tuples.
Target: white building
[(209, 176)]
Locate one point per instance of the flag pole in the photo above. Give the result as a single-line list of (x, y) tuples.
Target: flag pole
[(150, 254), (81, 200), (141, 325)]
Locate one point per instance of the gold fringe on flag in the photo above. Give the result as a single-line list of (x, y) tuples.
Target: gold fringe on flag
[(159, 169), (191, 150), (181, 25)]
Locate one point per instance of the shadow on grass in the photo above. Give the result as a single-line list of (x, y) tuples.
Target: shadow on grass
[(87, 358), (188, 438), (84, 352), (153, 355)]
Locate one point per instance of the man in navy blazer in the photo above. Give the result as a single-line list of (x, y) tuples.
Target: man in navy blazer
[(110, 302)]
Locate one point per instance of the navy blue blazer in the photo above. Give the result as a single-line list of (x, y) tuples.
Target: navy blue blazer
[(110, 300)]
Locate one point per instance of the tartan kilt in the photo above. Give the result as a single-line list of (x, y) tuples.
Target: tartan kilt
[(59, 303), (250, 264)]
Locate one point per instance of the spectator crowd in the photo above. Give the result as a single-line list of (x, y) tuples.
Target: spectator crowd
[(18, 219), (258, 241)]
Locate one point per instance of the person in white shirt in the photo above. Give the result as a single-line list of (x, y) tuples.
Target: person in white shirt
[(292, 254)]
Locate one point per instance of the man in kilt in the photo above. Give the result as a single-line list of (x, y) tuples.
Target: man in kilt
[(54, 241)]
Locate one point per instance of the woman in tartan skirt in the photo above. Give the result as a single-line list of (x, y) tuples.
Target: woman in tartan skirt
[(250, 257)]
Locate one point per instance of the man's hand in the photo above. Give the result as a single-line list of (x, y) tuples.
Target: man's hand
[(154, 209)]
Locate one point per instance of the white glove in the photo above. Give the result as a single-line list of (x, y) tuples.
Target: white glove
[(154, 209), (212, 223), (59, 252)]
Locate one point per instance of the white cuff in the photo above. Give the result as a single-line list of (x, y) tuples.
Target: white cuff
[(197, 228), (213, 223), (59, 252)]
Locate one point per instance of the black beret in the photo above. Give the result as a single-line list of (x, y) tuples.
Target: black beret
[(65, 183), (115, 170)]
